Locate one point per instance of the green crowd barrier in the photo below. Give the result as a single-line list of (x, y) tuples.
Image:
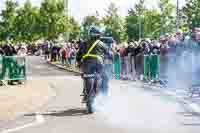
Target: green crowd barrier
[(147, 67), (117, 66), (151, 67), (155, 61), (13, 68)]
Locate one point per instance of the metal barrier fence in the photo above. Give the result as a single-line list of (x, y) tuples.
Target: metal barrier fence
[(151, 67), (12, 68), (146, 65)]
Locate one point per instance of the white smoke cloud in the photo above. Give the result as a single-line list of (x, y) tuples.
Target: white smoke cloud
[(183, 71), (131, 109)]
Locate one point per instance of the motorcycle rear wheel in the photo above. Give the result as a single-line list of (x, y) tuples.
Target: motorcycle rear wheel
[(89, 106)]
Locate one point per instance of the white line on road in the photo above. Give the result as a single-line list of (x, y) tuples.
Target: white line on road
[(39, 120), (40, 67)]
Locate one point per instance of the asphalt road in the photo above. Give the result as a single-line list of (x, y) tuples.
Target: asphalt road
[(129, 108), (38, 67)]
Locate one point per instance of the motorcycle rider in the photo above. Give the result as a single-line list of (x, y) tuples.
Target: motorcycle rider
[(91, 59)]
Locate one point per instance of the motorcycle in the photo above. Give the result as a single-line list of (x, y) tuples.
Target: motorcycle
[(91, 84)]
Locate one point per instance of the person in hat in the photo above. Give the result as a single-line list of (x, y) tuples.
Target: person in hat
[(130, 53), (92, 60), (20, 64)]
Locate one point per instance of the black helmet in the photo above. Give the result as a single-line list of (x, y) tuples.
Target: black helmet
[(94, 32)]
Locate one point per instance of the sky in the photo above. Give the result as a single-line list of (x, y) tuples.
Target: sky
[(81, 8)]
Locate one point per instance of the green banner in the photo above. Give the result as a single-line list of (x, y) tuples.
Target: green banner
[(13, 68)]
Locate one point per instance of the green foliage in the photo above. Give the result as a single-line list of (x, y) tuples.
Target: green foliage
[(48, 21), (132, 25), (114, 23), (192, 11), (87, 22), (138, 16), (28, 23), (75, 29), (140, 8), (53, 20), (168, 21), (152, 24), (8, 16)]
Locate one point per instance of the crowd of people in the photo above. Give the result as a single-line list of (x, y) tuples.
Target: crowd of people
[(64, 53), (128, 58), (178, 57), (8, 49)]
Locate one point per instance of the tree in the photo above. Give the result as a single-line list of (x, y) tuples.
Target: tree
[(7, 19), (152, 19), (75, 29), (27, 23), (2, 31), (134, 21), (140, 8), (89, 21), (114, 23), (150, 22), (132, 27), (53, 20), (192, 11), (183, 21), (168, 21)]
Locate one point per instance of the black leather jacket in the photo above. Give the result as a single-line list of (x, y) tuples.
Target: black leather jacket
[(100, 49)]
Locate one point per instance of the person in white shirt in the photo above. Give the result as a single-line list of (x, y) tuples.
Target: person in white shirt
[(21, 55)]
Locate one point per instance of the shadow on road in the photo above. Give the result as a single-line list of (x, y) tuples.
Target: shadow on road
[(191, 124), (70, 112)]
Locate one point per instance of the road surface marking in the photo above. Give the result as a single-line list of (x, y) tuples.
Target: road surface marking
[(40, 67), (39, 119), (171, 93)]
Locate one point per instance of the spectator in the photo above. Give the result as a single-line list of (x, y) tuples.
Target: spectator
[(64, 53), (72, 57), (130, 52), (58, 47), (123, 61), (21, 62), (81, 51), (46, 49), (54, 53)]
